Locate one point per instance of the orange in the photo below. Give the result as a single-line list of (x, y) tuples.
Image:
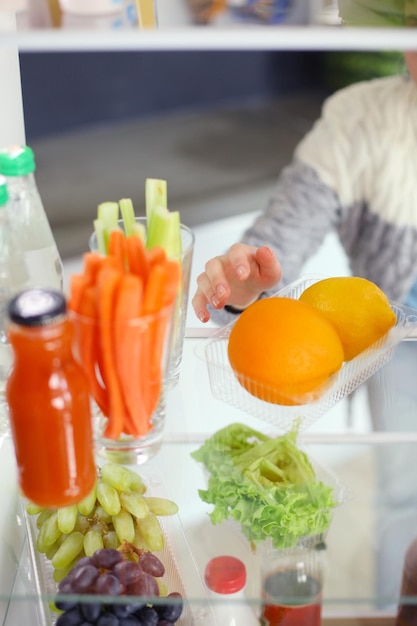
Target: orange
[(283, 351), (358, 309)]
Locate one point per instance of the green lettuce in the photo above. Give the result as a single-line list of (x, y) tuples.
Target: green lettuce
[(268, 485)]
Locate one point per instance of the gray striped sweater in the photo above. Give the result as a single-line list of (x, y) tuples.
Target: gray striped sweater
[(354, 173)]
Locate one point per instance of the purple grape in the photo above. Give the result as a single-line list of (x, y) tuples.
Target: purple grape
[(164, 622), (170, 611), (61, 603), (91, 611), (147, 616), (72, 617), (145, 586), (84, 578), (107, 619), (106, 558), (150, 564), (107, 585), (120, 610), (129, 621), (127, 572)]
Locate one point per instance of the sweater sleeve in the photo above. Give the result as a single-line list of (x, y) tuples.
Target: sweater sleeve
[(299, 215)]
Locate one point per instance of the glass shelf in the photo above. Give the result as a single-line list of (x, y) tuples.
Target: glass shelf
[(45, 29), (367, 538)]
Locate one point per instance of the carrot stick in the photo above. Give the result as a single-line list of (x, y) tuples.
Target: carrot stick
[(153, 303), (173, 282), (117, 248), (137, 257), (92, 263), (129, 349), (156, 255), (88, 346), (78, 284), (108, 284)]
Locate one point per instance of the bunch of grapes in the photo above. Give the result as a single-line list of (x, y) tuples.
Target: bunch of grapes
[(117, 511), (129, 587)]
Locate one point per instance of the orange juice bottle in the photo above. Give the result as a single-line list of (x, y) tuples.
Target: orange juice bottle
[(49, 405)]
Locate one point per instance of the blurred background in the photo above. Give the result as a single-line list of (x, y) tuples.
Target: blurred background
[(218, 126)]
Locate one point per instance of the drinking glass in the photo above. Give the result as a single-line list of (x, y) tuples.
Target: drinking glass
[(292, 588), (181, 303), (126, 366)]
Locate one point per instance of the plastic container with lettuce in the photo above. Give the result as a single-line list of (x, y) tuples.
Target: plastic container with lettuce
[(268, 485)]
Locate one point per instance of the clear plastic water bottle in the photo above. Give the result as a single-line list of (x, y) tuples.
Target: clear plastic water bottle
[(29, 220), (13, 278)]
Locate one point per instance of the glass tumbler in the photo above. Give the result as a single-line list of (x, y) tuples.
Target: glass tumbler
[(126, 365), (292, 588), (181, 303)]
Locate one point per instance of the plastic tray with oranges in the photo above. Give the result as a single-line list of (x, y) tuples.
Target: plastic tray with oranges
[(225, 386)]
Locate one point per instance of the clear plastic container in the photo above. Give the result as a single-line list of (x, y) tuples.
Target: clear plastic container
[(29, 219)]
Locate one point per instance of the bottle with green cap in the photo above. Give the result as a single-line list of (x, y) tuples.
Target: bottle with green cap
[(29, 219), (14, 277)]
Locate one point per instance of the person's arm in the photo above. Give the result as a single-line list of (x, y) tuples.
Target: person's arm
[(292, 228)]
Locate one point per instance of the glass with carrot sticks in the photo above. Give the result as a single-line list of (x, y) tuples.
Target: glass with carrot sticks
[(183, 253), (121, 306)]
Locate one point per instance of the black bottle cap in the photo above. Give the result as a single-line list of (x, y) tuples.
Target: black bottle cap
[(37, 307)]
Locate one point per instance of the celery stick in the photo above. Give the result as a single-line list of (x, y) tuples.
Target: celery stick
[(165, 232), (128, 215), (139, 230), (99, 230), (155, 194), (108, 213), (155, 197)]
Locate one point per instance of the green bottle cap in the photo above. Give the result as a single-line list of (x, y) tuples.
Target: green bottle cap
[(4, 194), (17, 161)]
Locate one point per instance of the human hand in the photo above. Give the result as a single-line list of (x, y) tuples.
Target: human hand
[(236, 278)]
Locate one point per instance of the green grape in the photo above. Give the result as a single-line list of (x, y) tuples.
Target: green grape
[(151, 531), (52, 550), (163, 589), (42, 517), (34, 509), (67, 518), (108, 497), (161, 506), (115, 475), (48, 534), (86, 506), (124, 526), (134, 503), (111, 540), (136, 482), (69, 550), (93, 541), (82, 524), (139, 541), (100, 515), (61, 573)]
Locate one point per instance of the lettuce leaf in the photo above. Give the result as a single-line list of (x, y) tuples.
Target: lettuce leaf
[(268, 485)]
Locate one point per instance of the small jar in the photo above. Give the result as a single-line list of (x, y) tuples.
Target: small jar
[(225, 577), (407, 610), (49, 406)]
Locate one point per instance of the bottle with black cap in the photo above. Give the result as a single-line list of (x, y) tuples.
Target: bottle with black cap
[(49, 406)]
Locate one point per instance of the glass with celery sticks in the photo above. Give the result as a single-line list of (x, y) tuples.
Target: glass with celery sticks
[(123, 331), (181, 303)]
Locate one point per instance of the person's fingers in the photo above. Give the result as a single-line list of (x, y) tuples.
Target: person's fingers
[(269, 266), (239, 259), (199, 304), (214, 282)]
